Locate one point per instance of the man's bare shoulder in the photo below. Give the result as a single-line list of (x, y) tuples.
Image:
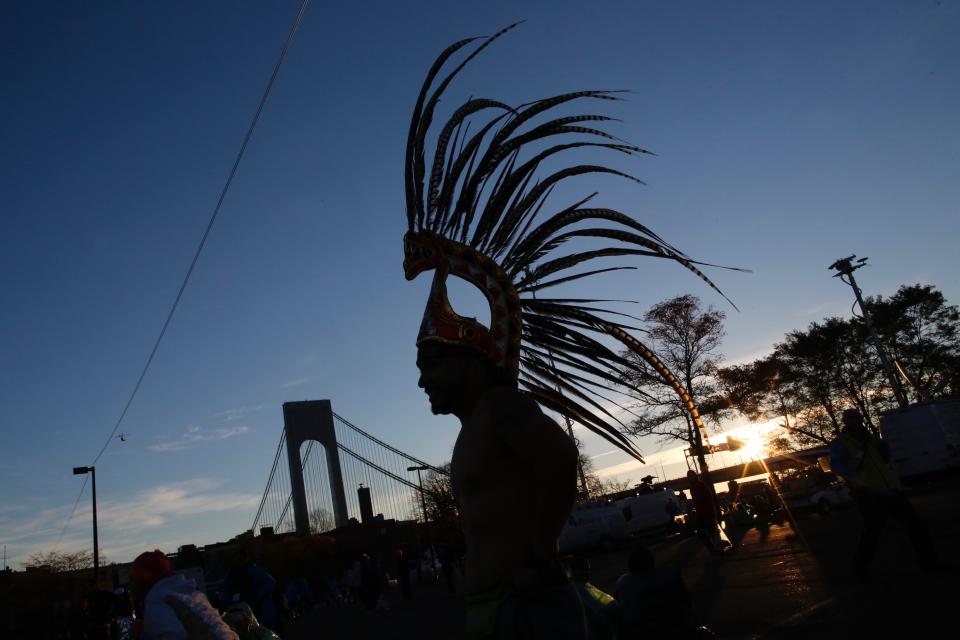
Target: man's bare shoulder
[(517, 417), (511, 405)]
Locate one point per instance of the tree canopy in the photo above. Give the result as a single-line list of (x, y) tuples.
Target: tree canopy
[(816, 373)]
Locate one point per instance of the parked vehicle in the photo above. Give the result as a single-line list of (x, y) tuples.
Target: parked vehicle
[(923, 438), (649, 512), (606, 525), (812, 489), (593, 526), (826, 500)]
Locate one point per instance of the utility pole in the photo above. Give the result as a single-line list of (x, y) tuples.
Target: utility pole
[(583, 477), (845, 268), (78, 471), (423, 506)]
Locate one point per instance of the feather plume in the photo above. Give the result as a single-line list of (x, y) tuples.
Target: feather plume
[(484, 191)]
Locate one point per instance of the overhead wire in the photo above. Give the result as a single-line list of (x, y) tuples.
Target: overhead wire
[(196, 256), (76, 502), (213, 217)]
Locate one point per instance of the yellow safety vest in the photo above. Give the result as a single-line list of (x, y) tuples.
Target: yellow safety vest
[(872, 471)]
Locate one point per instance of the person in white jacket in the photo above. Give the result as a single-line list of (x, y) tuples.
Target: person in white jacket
[(173, 608)]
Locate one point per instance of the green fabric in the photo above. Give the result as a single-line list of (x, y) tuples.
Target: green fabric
[(255, 631), (873, 472), (600, 596), (601, 610), (483, 609)]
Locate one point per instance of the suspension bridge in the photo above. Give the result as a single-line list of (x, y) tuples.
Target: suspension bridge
[(330, 468)]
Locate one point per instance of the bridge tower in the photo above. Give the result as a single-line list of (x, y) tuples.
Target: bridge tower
[(312, 420)]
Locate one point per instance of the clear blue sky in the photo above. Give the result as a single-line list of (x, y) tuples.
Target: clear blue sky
[(787, 134)]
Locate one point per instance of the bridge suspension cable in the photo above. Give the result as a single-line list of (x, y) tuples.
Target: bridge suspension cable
[(387, 446)]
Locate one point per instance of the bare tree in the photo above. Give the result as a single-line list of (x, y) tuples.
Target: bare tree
[(687, 339), (596, 486), (321, 520), (441, 504), (59, 561)]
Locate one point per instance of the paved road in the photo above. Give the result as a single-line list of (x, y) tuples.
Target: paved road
[(791, 581)]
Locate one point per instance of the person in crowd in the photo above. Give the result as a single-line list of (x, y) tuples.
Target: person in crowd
[(123, 620), (863, 461), (402, 569), (371, 582), (672, 509), (654, 604), (298, 596), (244, 622), (249, 582), (173, 608), (447, 560), (101, 610), (601, 610), (351, 581), (706, 512)]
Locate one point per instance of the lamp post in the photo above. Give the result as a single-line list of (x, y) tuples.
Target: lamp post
[(423, 502), (423, 505), (79, 471), (845, 268)]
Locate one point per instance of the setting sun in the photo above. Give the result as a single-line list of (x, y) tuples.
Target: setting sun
[(754, 447)]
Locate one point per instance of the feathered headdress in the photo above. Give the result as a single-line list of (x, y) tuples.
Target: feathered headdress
[(476, 212)]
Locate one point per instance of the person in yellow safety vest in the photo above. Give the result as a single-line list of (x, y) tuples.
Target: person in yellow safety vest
[(601, 610), (863, 460)]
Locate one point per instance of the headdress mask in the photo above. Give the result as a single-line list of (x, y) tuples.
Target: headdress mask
[(477, 214)]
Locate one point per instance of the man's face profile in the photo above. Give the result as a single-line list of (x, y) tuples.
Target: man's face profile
[(443, 375)]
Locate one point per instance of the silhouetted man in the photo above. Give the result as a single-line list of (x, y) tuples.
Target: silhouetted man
[(706, 514), (476, 210), (514, 477), (863, 460)]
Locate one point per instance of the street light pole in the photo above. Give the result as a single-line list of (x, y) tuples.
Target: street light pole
[(423, 504), (845, 268), (96, 546)]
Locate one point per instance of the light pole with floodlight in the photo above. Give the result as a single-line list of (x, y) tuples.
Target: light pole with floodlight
[(423, 504), (79, 471)]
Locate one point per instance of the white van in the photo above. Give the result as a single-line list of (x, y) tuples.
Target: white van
[(592, 526), (648, 512)]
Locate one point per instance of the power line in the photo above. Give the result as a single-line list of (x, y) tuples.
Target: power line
[(196, 256), (72, 511), (213, 217)]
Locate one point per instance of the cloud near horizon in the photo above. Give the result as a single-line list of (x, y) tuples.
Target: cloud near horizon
[(124, 522), (239, 412), (195, 435), (296, 382), (152, 507)]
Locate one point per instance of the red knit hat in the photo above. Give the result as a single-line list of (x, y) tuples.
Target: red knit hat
[(151, 567)]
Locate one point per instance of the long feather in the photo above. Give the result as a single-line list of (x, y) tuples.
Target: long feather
[(565, 279), (517, 257), (520, 177), (415, 210), (486, 190), (468, 108)]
